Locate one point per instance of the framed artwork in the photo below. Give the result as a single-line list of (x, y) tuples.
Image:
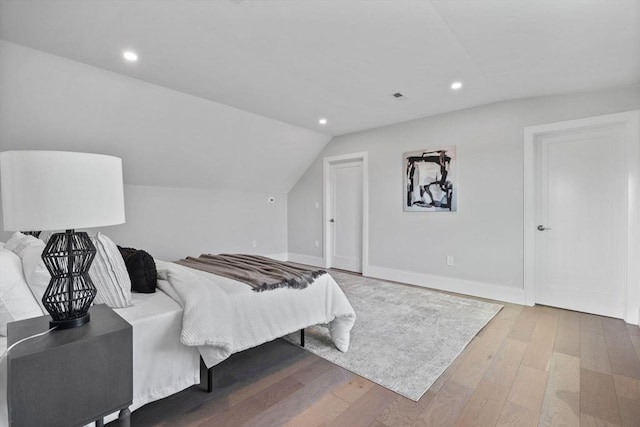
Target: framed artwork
[(430, 183)]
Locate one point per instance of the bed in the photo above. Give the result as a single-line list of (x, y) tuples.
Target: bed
[(197, 316), (223, 316)]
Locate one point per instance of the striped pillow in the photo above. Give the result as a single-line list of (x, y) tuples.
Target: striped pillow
[(109, 274)]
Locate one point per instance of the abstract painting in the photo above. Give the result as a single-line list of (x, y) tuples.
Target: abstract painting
[(430, 180)]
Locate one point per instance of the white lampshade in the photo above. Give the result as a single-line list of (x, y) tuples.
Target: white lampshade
[(57, 190)]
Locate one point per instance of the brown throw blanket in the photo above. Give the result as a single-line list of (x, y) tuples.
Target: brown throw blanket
[(261, 273)]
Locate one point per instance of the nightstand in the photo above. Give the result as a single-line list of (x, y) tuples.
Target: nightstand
[(70, 377)]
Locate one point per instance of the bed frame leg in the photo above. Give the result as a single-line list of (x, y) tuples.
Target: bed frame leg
[(209, 380), (210, 370)]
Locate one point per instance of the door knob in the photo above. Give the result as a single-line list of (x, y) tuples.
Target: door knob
[(542, 228), (332, 220)]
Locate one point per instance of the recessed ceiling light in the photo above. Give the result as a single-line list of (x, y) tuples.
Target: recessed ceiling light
[(322, 121), (456, 85), (130, 55)]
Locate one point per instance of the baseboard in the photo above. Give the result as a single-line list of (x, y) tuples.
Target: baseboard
[(316, 261), (281, 256), (461, 286)]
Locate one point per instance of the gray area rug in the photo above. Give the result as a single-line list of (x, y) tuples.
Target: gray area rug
[(404, 337)]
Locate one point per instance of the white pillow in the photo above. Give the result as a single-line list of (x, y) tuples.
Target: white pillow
[(109, 274), (16, 300), (18, 242), (29, 249)]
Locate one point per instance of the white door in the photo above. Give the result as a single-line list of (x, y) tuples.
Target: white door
[(581, 213), (346, 216)]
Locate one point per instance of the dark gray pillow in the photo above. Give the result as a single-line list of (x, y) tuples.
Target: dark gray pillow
[(141, 268)]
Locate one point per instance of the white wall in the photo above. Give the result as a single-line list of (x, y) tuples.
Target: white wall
[(167, 139), (485, 236), (171, 223)]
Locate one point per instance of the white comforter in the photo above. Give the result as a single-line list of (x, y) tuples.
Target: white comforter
[(223, 316)]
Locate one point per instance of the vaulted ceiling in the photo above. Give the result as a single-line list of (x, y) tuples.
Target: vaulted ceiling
[(297, 61)]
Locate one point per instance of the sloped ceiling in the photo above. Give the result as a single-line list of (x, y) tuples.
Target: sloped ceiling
[(297, 61), (164, 137)]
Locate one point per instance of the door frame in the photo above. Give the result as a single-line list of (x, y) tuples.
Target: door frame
[(326, 215), (629, 122)]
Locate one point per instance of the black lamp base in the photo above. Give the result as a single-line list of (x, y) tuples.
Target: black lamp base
[(68, 297), (70, 323)]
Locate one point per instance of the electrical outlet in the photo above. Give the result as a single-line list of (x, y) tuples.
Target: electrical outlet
[(254, 243), (449, 260), (317, 205), (317, 243), (271, 199)]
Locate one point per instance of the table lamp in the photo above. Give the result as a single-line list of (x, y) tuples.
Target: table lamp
[(57, 190)]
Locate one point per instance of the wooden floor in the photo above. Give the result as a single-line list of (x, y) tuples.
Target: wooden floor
[(529, 366)]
